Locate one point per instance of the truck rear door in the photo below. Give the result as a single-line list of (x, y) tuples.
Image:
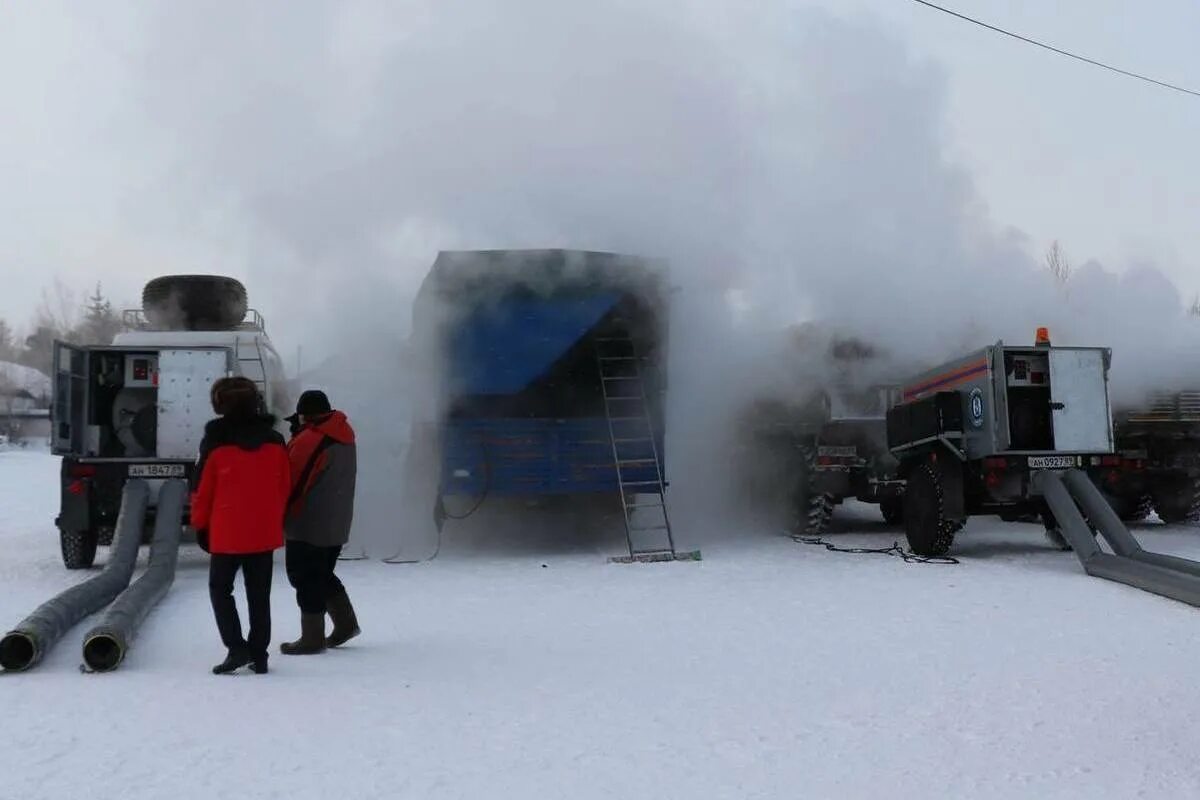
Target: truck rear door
[(185, 379), (1079, 402), (69, 412)]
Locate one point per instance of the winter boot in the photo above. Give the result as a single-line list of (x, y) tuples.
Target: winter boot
[(237, 658), (312, 637), (258, 664), (345, 622)]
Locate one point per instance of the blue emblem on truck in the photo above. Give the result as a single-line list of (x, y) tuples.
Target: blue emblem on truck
[(977, 407)]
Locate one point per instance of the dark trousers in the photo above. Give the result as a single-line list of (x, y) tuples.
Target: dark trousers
[(310, 571), (256, 574)]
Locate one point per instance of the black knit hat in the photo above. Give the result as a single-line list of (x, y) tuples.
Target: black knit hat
[(312, 403)]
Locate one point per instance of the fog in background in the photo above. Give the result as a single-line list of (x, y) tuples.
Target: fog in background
[(790, 164)]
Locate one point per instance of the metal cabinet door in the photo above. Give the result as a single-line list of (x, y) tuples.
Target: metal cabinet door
[(1079, 399), (69, 409), (185, 379)]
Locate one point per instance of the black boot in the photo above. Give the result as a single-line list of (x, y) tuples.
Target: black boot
[(345, 622), (237, 658), (312, 637), (258, 664)]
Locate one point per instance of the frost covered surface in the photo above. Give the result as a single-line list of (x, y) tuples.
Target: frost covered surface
[(768, 670)]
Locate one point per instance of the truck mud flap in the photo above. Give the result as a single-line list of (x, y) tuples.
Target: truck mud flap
[(1071, 495)]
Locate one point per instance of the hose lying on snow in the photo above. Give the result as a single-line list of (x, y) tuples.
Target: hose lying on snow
[(105, 645), (26, 644)]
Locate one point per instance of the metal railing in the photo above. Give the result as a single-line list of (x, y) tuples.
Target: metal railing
[(134, 319), (1170, 407)]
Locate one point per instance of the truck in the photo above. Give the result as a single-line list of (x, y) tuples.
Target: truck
[(137, 407), (971, 435), (1159, 444), (551, 382), (827, 442)]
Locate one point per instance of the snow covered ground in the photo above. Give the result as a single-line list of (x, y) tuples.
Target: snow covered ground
[(769, 670)]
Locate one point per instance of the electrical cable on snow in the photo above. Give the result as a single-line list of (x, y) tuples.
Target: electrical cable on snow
[(440, 513), (896, 550), (1057, 50)]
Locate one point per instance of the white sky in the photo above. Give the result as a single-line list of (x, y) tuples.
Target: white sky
[(1057, 149)]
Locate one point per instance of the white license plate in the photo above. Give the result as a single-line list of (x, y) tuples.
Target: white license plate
[(837, 452), (1052, 462), (156, 470)]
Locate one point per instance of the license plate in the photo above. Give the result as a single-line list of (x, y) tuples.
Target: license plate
[(1052, 462), (837, 452), (156, 470)]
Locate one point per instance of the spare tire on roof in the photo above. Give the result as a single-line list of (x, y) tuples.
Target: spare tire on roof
[(194, 302)]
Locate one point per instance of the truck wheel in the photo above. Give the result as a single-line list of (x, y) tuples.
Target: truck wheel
[(78, 548), (892, 509), (1133, 509), (926, 527), (811, 510), (1054, 531), (1178, 503)]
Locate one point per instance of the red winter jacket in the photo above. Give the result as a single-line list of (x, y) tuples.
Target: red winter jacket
[(243, 481), (322, 510)]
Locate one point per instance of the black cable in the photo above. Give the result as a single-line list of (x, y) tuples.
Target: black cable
[(1059, 51), (487, 486), (896, 550)]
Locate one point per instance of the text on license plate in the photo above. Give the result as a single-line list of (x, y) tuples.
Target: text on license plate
[(1052, 462), (156, 470)]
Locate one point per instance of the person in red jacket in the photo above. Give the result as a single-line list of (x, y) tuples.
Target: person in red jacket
[(242, 486)]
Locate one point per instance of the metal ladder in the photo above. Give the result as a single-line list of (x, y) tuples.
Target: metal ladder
[(257, 358), (634, 448)]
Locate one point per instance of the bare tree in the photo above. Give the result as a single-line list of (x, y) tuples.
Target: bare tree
[(1194, 308), (1058, 263)]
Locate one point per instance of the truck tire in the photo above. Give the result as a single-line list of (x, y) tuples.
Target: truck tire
[(892, 509), (1178, 503), (928, 530), (1054, 531), (78, 548), (1131, 509), (194, 302), (811, 510)]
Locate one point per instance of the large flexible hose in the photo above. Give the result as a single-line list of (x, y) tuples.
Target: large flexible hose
[(105, 646), (26, 644)]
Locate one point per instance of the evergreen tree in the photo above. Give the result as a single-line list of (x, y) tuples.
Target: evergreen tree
[(8, 347), (100, 322)]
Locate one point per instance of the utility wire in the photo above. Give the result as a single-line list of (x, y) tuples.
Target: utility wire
[(1053, 49)]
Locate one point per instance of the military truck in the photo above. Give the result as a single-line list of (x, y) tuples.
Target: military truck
[(971, 435), (1159, 445), (828, 441), (136, 408)]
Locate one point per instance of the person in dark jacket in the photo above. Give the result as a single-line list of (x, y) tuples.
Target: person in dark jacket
[(242, 483), (319, 514)]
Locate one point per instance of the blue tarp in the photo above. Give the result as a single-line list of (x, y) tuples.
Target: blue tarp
[(506, 344)]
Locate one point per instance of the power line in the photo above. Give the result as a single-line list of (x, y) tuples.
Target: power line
[(1053, 49)]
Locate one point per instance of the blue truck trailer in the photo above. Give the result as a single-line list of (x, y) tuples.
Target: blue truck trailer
[(552, 379)]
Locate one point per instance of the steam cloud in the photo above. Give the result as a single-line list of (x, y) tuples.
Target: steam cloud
[(790, 164)]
